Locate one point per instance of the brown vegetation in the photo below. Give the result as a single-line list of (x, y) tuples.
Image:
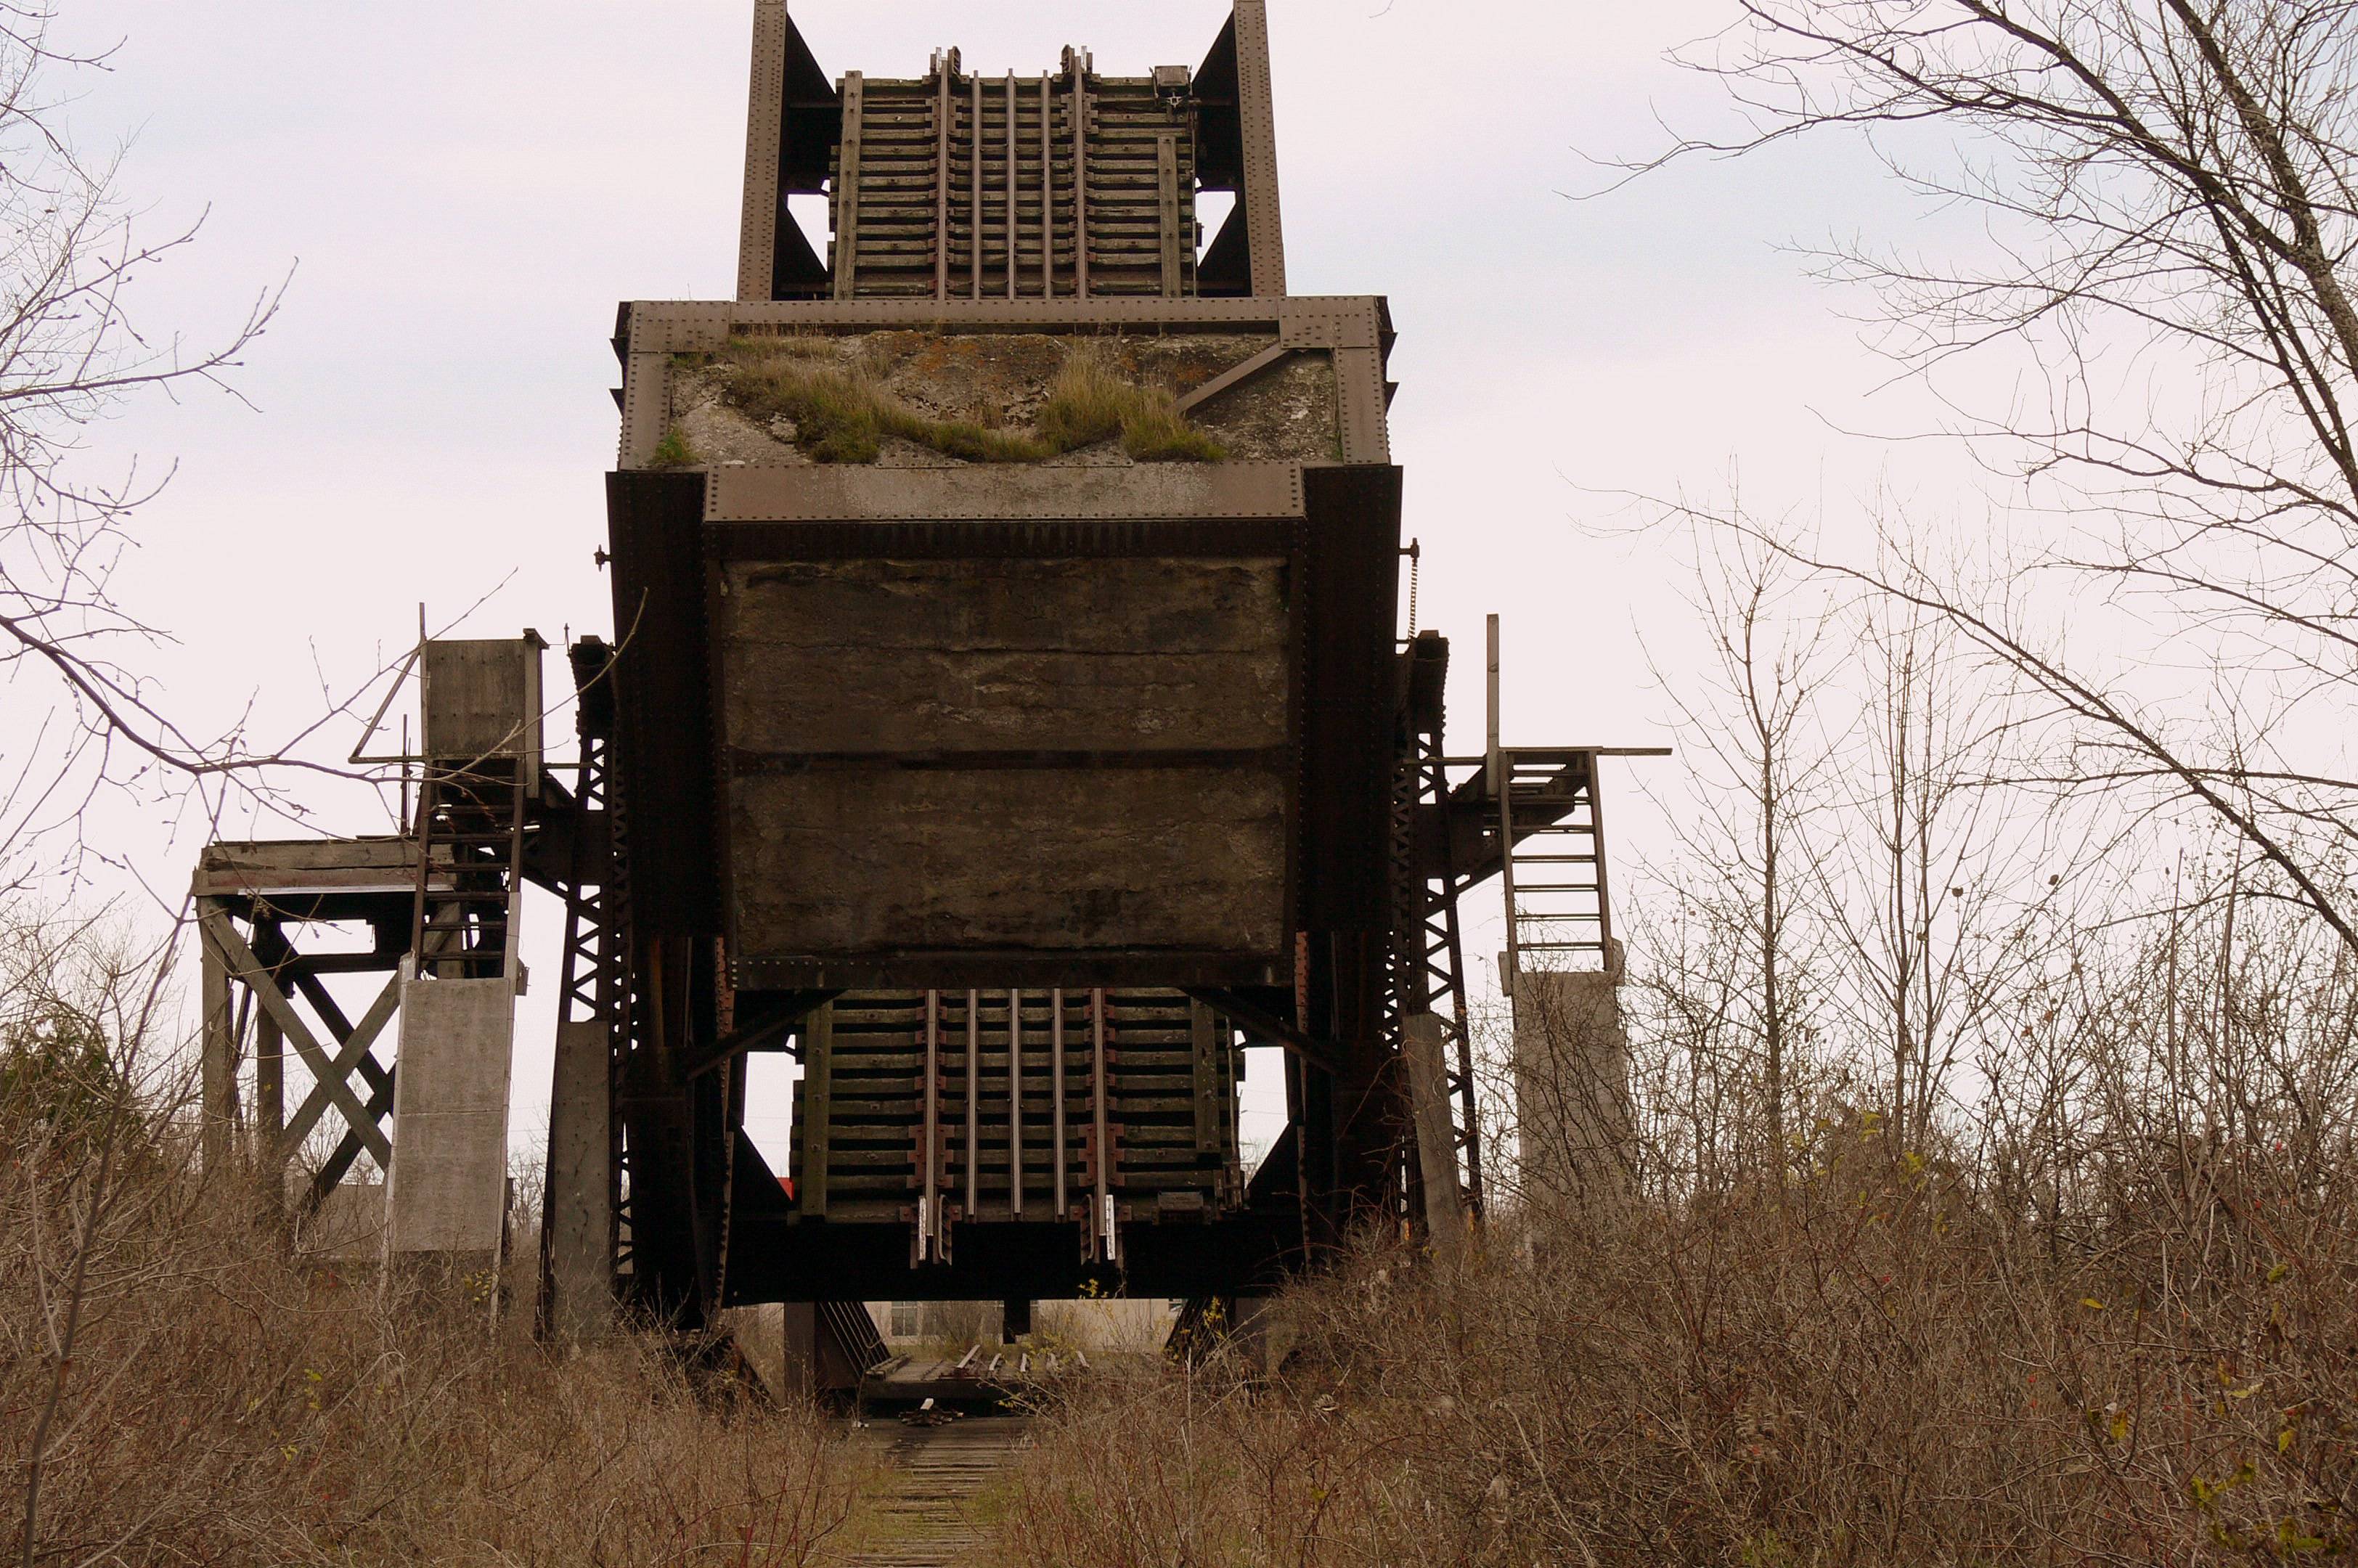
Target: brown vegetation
[(1965, 1196), (839, 414), (2110, 1320), (1974, 1195), (179, 1387)]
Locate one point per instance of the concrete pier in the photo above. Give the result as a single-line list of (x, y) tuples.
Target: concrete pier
[(1572, 1089)]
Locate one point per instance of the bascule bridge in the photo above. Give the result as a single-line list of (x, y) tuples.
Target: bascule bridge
[(1006, 714)]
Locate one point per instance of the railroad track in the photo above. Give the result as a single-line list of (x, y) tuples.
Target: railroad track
[(925, 1517)]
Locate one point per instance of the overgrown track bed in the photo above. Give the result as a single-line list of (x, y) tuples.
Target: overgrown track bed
[(925, 1514)]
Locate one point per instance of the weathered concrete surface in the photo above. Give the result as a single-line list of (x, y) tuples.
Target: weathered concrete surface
[(1288, 412), (580, 1186), (873, 656), (1152, 605), (760, 1336), (447, 1189), (1045, 859), (1572, 1088), (1436, 1138), (967, 754), (482, 699), (1000, 379)]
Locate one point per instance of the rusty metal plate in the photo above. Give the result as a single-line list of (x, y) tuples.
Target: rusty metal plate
[(646, 407), (1096, 538), (1347, 322), (1363, 394), (1265, 225), (671, 326)]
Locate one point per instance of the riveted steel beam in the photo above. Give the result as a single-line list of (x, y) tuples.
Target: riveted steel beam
[(1256, 106), (765, 126)]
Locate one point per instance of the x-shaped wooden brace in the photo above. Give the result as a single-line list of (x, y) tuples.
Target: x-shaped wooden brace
[(331, 1083), (354, 1052)]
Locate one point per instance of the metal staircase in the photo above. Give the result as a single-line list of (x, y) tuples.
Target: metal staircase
[(1550, 820)]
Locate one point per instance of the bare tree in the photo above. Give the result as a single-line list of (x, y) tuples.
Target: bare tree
[(73, 347), (2169, 191), (1928, 879), (1727, 945)]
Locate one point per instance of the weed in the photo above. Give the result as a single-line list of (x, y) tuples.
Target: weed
[(674, 451), (842, 416), (971, 442), (1090, 403), (1156, 432), (1923, 1354)]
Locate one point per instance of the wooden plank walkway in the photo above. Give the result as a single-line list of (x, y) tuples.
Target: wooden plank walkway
[(925, 1517)]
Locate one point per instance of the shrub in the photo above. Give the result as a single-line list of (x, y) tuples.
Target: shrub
[(57, 1070), (181, 1386), (1878, 1366)]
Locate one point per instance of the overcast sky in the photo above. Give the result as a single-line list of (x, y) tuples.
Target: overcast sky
[(463, 192)]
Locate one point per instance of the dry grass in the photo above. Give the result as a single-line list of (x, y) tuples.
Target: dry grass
[(2106, 1313), (842, 414), (1867, 1372), (226, 1403), (178, 1388), (1091, 403)]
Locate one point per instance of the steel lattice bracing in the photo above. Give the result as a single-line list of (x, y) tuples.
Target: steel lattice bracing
[(1437, 955), (1429, 958), (583, 1222)]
